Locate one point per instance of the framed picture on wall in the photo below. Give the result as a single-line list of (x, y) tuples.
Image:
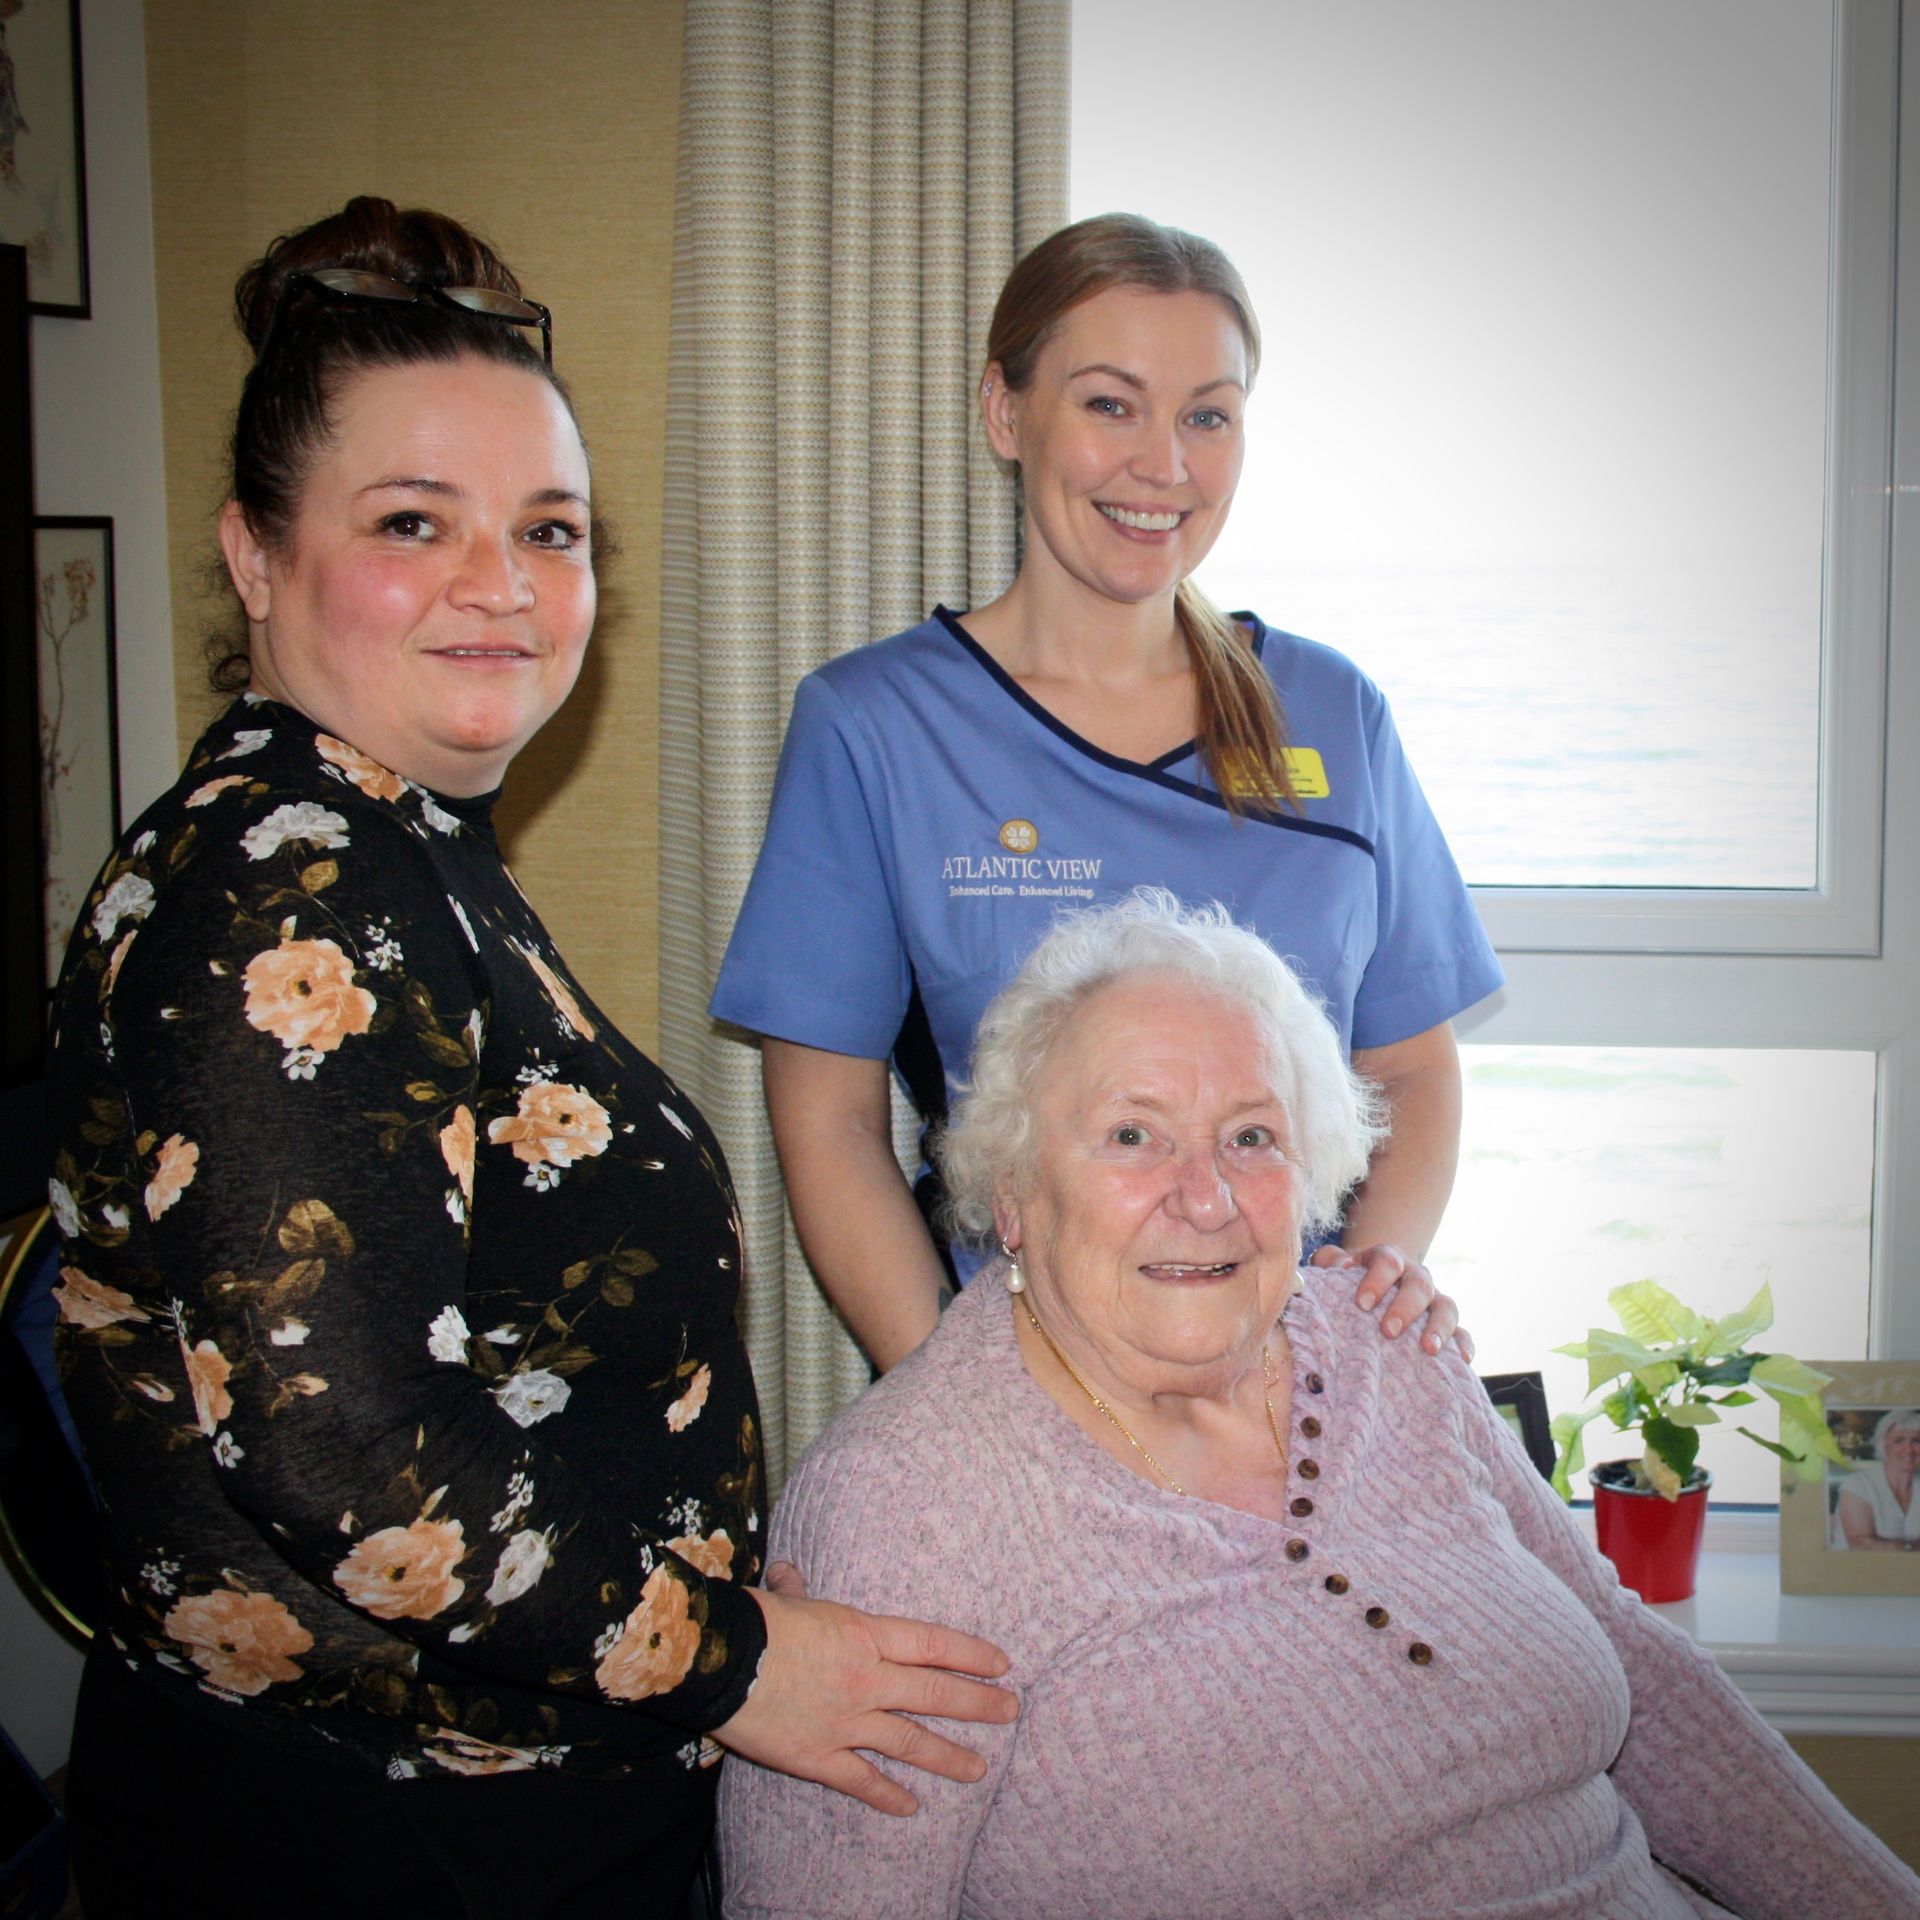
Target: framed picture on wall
[(79, 725), (43, 171), (23, 993), (1856, 1528)]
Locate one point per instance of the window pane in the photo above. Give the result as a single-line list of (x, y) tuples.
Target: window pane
[(1540, 436), (1710, 1171)]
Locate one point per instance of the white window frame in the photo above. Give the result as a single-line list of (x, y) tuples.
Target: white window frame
[(1863, 996), (1841, 913), (1836, 966)]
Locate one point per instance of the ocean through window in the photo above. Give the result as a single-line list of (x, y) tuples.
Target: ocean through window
[(1541, 429)]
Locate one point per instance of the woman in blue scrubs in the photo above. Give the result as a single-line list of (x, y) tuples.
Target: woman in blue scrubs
[(943, 793)]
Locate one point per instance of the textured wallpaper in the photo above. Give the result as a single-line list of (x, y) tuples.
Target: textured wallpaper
[(552, 132)]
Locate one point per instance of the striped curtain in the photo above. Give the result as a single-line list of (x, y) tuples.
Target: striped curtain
[(855, 179)]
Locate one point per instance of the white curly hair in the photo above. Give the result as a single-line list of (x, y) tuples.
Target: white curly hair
[(987, 1151)]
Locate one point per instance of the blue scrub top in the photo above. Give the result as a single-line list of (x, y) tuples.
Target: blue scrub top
[(929, 819)]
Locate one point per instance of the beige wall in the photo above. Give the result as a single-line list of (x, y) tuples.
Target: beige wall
[(552, 131), (1875, 1780)]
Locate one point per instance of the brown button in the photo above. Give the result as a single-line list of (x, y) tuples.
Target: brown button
[(1310, 1427), (1300, 1507), (1309, 1469), (1420, 1654), (1377, 1616), (1337, 1583), (1315, 1384), (1297, 1549)]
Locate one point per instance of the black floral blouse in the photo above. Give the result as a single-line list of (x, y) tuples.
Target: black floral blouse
[(397, 1305)]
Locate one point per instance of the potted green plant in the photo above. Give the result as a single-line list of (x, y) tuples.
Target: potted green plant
[(1668, 1373)]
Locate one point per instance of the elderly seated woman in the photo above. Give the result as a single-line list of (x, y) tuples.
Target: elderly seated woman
[(1297, 1629)]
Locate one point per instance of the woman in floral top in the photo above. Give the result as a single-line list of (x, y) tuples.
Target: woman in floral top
[(398, 1294)]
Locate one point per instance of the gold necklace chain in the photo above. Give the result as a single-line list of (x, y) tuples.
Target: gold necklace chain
[(1120, 1427)]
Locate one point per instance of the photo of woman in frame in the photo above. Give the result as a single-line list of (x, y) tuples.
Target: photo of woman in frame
[(1871, 1499)]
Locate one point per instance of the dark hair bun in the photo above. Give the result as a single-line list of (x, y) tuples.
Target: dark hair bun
[(415, 245)]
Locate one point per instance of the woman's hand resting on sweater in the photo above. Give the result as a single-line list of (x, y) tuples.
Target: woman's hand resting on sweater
[(834, 1680)]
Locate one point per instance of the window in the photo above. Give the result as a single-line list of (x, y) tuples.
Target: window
[(1543, 429), (1583, 1167), (1604, 498)]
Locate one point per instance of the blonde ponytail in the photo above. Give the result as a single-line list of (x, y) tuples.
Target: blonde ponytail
[(1242, 731)]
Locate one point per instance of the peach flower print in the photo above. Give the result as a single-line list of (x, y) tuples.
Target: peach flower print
[(405, 1573), (713, 1555), (456, 1149), (179, 1158), (118, 956), (205, 796), (656, 1646), (366, 773), (686, 1410), (240, 1641), (85, 1302), (464, 1754), (302, 993), (555, 1123), (208, 1370), (557, 991)]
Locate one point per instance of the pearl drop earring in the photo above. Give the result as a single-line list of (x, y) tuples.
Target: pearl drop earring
[(1016, 1280)]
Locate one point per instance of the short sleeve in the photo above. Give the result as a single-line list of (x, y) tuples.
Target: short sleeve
[(1432, 958), (817, 954)]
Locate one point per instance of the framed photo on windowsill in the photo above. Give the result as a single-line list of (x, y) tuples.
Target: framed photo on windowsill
[(1856, 1528), (1520, 1399)]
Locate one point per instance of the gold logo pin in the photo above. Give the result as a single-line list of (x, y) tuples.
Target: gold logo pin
[(1019, 836)]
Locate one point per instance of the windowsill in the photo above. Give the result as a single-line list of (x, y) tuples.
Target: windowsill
[(1811, 1663)]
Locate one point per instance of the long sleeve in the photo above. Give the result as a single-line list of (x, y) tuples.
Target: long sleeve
[(862, 1532), (1421, 1695), (1722, 1797), (432, 1272)]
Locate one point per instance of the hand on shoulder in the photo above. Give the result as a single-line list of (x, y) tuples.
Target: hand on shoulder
[(1403, 1290)]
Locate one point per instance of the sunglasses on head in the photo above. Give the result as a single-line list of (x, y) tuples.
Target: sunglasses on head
[(355, 286)]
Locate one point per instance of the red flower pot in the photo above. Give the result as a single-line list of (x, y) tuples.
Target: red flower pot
[(1654, 1543)]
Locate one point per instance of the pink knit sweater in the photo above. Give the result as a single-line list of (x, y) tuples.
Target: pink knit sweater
[(1424, 1696)]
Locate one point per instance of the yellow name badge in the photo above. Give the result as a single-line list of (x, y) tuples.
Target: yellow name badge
[(1306, 772)]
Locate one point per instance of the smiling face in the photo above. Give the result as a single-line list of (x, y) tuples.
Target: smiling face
[(1902, 1445), (1159, 1229), (433, 601), (1129, 439)]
